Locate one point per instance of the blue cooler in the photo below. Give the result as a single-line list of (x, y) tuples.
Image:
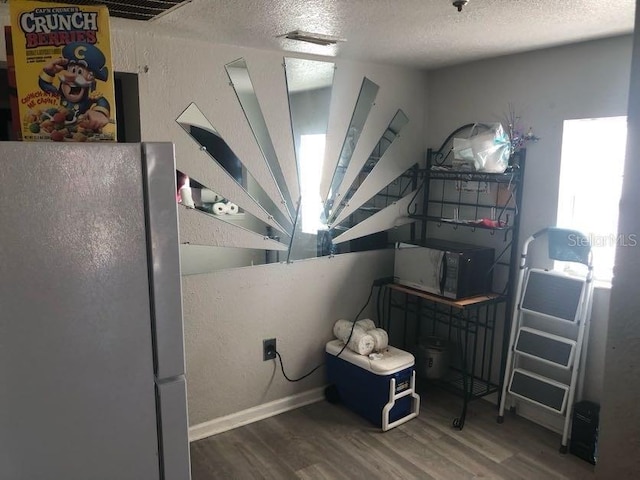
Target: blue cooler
[(382, 390)]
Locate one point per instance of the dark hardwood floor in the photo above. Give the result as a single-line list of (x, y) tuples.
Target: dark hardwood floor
[(324, 441)]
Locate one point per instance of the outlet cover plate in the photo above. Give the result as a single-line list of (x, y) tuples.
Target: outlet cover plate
[(268, 349)]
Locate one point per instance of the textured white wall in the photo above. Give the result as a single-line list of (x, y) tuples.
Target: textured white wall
[(546, 87), (228, 313), (620, 413)]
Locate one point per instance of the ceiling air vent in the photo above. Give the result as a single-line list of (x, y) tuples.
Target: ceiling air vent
[(309, 37), (133, 9)]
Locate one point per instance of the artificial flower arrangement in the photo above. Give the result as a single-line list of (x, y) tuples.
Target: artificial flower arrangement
[(517, 137)]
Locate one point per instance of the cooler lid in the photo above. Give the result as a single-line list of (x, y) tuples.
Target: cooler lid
[(392, 359)]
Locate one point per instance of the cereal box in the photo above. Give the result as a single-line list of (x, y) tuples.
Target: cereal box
[(64, 78)]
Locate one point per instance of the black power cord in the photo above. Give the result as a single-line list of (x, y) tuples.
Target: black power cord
[(346, 342), (376, 283), (295, 379)]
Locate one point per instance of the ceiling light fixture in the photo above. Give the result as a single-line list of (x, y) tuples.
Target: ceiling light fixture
[(315, 38), (459, 4)]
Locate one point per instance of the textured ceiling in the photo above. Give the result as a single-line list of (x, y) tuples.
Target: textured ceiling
[(416, 33)]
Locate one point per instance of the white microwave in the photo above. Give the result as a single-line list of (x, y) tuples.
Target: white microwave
[(449, 269)]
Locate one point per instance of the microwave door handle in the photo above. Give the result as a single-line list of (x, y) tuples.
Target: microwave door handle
[(443, 272)]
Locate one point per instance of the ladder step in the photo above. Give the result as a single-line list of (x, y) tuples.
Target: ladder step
[(546, 347), (540, 390), (553, 294)]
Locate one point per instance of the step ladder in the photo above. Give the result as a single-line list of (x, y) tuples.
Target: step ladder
[(550, 329)]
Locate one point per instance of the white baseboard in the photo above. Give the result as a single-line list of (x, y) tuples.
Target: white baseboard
[(250, 415)]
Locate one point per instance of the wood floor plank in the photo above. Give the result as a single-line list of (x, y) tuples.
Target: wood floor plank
[(470, 460), (225, 460), (260, 455), (340, 453), (325, 442), (527, 468), (384, 462), (474, 439), (294, 451), (322, 471), (423, 456), (534, 441)]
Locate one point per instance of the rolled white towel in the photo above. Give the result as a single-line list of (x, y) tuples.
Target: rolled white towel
[(366, 323), (232, 209), (219, 208), (381, 339), (344, 331), (341, 327), (361, 342)]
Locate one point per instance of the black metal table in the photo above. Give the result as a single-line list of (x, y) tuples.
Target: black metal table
[(473, 325)]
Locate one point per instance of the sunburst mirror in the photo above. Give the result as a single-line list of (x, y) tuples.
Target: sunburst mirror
[(279, 220)]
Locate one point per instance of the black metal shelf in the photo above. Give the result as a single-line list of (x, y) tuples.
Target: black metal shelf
[(470, 204), (479, 325), (467, 176), (475, 387), (470, 323), (462, 223)]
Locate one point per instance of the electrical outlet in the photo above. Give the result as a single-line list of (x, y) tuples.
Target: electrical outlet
[(268, 349)]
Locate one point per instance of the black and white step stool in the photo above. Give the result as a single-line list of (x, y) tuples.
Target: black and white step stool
[(553, 302)]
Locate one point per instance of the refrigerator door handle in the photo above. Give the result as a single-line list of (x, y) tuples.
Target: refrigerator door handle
[(165, 286)]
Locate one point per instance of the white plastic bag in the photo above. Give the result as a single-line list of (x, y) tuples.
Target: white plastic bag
[(491, 149), (462, 149), (487, 148)]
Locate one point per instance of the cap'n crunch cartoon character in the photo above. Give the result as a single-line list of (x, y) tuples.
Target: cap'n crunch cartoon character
[(78, 69)]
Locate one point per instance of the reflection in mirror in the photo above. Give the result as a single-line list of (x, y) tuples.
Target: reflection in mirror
[(310, 243), (309, 86), (238, 228), (270, 227), (193, 121), (241, 81), (384, 219), (390, 134), (393, 164), (302, 244), (196, 259), (366, 98)]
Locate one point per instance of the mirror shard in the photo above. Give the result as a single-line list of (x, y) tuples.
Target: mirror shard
[(395, 215), (364, 104), (257, 202), (393, 164), (392, 132), (196, 228), (241, 81), (309, 88)]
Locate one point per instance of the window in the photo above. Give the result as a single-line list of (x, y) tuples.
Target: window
[(593, 153), (311, 160)]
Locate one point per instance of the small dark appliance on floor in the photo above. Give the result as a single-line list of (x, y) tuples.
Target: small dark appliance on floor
[(584, 432)]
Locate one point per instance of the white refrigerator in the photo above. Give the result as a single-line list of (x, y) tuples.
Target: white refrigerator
[(92, 364)]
